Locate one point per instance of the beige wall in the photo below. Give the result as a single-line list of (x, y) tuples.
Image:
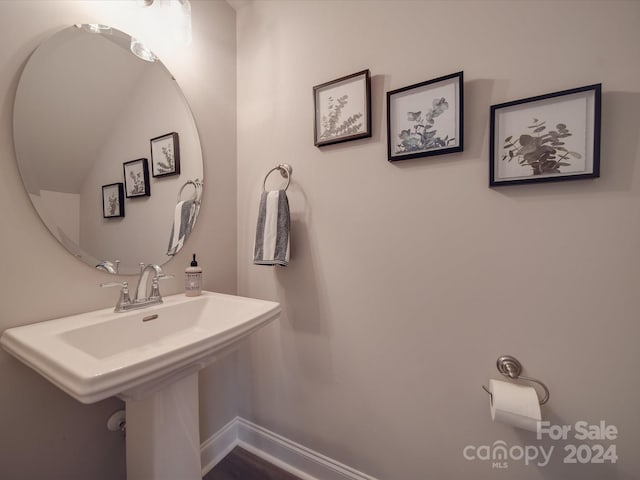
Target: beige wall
[(408, 280), (43, 432)]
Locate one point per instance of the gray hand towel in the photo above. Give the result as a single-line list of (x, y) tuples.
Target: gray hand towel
[(273, 229), (183, 220)]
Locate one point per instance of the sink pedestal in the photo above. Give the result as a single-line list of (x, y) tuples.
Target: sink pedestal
[(149, 358), (163, 433)]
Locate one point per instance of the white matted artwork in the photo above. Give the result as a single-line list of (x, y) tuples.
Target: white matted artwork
[(342, 109), (136, 178), (546, 138), (165, 155), (113, 200), (425, 119)]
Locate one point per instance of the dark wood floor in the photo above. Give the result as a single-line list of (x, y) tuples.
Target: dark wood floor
[(242, 465)]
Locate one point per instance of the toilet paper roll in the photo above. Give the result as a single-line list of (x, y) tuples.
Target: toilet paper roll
[(514, 404)]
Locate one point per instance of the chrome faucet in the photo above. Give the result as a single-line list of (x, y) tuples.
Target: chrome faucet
[(109, 266), (144, 295), (142, 291)]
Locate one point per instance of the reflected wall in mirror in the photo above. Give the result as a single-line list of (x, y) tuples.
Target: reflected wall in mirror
[(85, 106)]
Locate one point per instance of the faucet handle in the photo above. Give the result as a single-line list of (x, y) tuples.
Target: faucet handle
[(124, 293), (115, 284), (155, 289)]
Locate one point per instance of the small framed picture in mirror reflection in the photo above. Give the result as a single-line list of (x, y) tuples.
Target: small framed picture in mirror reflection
[(113, 200), (136, 178), (165, 155)]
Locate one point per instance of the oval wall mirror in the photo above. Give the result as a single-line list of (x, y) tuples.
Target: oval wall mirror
[(107, 148)]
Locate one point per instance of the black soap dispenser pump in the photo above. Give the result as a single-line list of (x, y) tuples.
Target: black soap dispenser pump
[(193, 279)]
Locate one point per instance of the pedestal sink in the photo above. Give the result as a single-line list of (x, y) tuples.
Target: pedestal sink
[(150, 359)]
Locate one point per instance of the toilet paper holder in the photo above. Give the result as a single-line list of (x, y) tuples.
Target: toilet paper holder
[(511, 368)]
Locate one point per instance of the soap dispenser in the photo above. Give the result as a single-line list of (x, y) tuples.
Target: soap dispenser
[(193, 279)]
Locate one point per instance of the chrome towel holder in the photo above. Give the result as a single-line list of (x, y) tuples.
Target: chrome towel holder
[(197, 184), (511, 368), (285, 170)]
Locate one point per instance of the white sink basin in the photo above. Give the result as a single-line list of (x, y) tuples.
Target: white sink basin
[(96, 355)]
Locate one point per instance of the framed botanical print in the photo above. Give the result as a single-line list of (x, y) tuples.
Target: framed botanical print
[(113, 200), (136, 178), (342, 109), (165, 155), (425, 119), (550, 137)]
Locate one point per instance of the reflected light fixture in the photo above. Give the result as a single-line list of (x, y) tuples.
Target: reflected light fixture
[(166, 21)]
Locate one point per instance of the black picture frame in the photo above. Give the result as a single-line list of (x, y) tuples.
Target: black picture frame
[(426, 119), (165, 155), (136, 178), (342, 109), (546, 138), (113, 200)]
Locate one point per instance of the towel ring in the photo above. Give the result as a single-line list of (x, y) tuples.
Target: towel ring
[(511, 368), (285, 170), (197, 184)]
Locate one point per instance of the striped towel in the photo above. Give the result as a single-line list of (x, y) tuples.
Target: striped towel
[(184, 218), (272, 231)]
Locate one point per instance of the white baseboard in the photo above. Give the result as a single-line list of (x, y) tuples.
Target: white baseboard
[(301, 461), (216, 447)]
